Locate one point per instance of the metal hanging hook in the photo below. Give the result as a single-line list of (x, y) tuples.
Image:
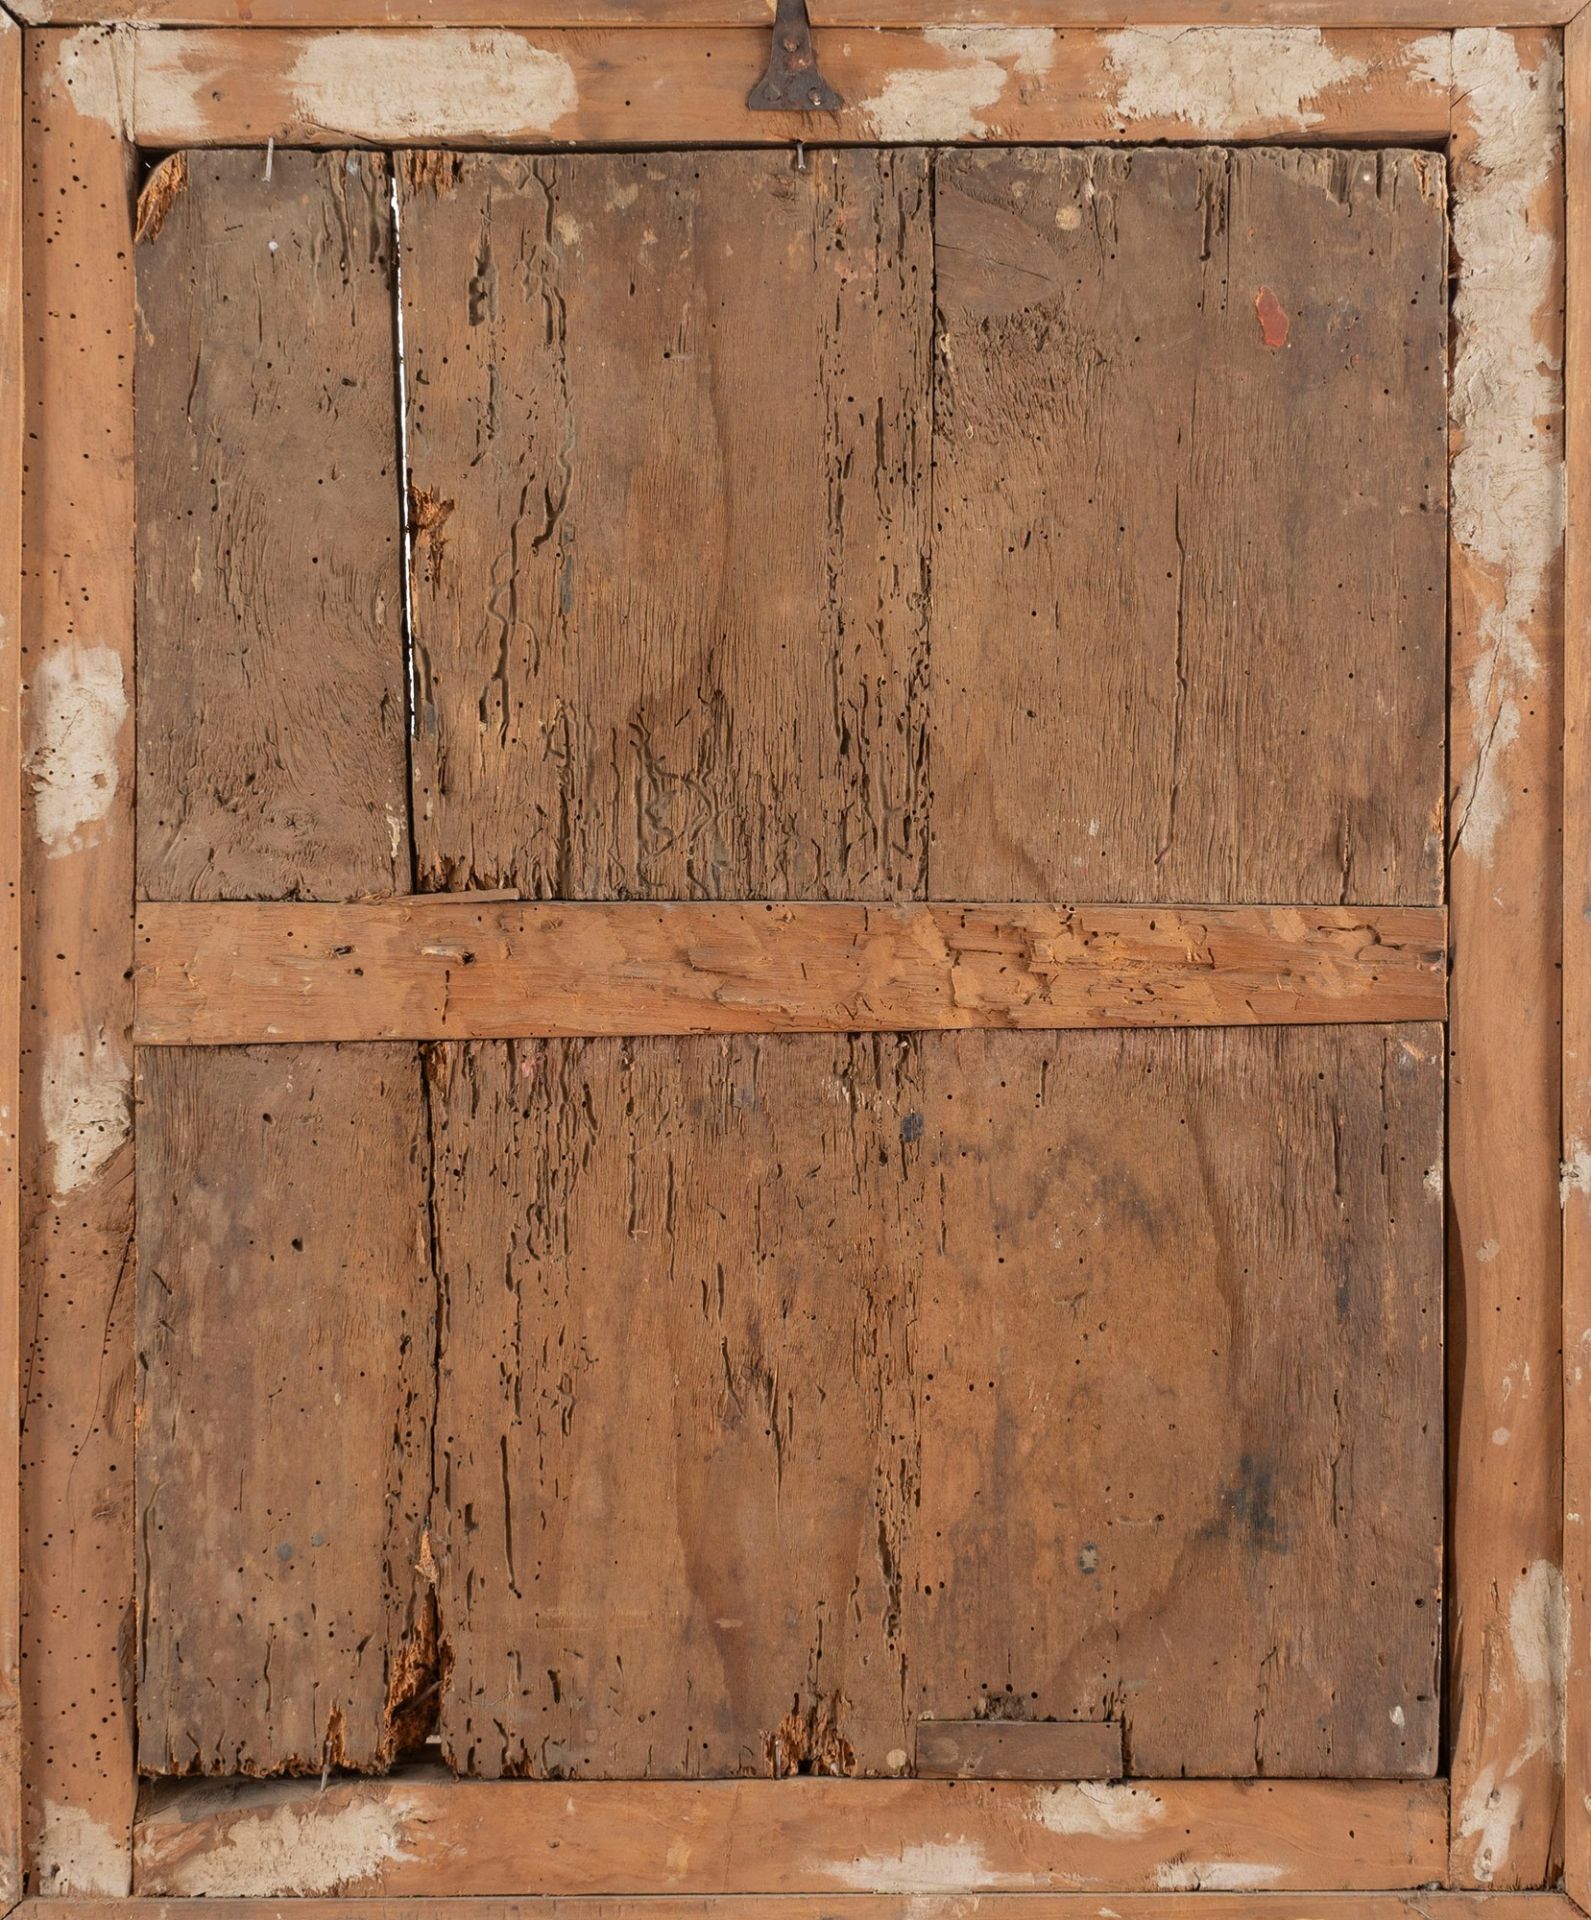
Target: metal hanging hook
[(792, 83)]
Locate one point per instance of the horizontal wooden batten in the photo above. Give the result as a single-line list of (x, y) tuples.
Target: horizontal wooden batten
[(451, 86), (435, 967), (427, 1835)]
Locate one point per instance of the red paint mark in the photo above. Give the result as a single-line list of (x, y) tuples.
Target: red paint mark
[(1272, 318)]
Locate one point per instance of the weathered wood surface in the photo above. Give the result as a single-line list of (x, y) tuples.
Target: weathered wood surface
[(855, 1906), (427, 1835), (453, 87), (77, 892), (1222, 14), (1577, 969), (284, 1282), (271, 753), (826, 1348), (1227, 15), (674, 1416), (1194, 402), (441, 967), (11, 834), (1178, 1346), (461, 13), (286, 1337), (1506, 1619), (669, 438), (1019, 1750)]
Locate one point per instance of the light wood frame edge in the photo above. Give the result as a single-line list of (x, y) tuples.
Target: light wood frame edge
[(1579, 1687), (830, 1906), (1576, 1179), (826, 15), (10, 944)]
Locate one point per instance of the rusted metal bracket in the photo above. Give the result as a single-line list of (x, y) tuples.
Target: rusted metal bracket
[(792, 83)]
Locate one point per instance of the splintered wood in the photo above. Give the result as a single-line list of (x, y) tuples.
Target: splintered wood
[(701, 1357)]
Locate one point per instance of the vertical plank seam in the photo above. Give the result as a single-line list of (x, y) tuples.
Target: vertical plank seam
[(427, 1057)]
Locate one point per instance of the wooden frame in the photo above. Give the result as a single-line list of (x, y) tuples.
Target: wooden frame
[(86, 98)]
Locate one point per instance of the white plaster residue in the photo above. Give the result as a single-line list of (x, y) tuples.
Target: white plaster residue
[(1029, 50), (1225, 80), (1507, 500), (949, 102), (76, 711), (85, 1105), (1430, 58), (938, 1906), (290, 1852), (1433, 1180), (80, 1856), (1216, 1876), (1087, 1808), (95, 65), (1538, 1638), (1574, 1176), (926, 1866), (436, 81), (1488, 1816)]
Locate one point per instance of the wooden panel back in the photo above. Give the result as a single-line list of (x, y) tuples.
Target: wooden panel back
[(1007, 525), (795, 1387), (286, 1333), (1189, 613), (271, 753), (669, 430)]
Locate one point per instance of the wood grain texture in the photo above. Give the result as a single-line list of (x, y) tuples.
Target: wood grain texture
[(1195, 403), (286, 1336), (1425, 1905), (675, 1404), (669, 437), (11, 812), (1506, 1618), (1186, 1361), (443, 87), (442, 967), (271, 754), (1423, 14), (1229, 14), (827, 1348), (1576, 1190), (77, 892), (457, 13), (428, 1834), (1019, 1750)]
